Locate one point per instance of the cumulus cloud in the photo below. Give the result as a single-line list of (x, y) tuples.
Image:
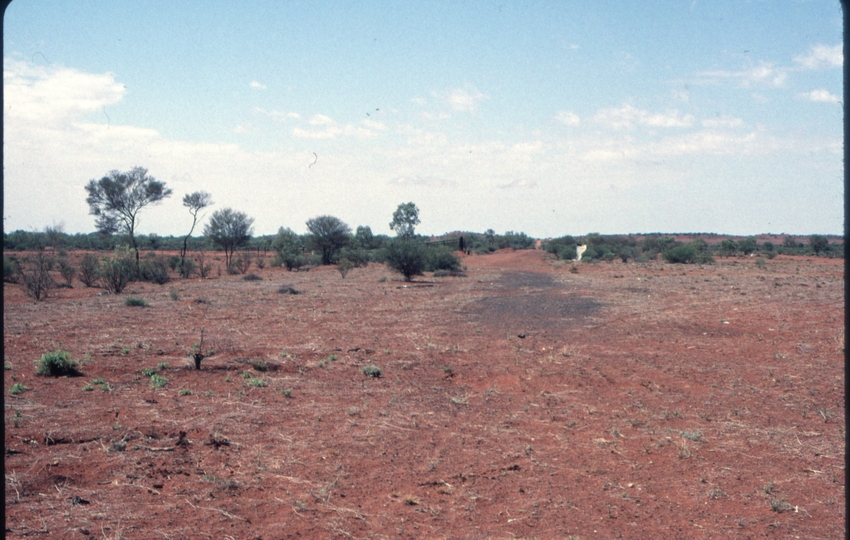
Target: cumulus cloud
[(257, 86), (278, 116), (465, 99), (721, 121), (627, 116), (820, 96), (567, 118), (327, 128), (821, 56), (39, 93), (763, 74)]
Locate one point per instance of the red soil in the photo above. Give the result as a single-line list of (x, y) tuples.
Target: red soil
[(644, 401)]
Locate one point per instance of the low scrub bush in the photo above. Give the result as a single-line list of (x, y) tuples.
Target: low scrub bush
[(57, 364), (89, 272), (118, 271), (344, 266), (135, 302), (34, 275), (67, 270), (252, 277), (288, 289), (371, 371), (154, 270), (441, 258)]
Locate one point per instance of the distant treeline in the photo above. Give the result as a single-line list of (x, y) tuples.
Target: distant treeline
[(599, 247)]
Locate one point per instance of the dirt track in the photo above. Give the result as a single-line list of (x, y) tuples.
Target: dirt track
[(644, 401)]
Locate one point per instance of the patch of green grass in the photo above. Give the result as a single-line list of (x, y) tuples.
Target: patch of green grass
[(287, 392), (260, 365), (247, 375), (88, 388), (135, 302), (258, 383), (185, 392), (56, 364), (17, 388), (371, 371), (692, 436), (125, 351), (99, 380), (158, 381), (162, 365)]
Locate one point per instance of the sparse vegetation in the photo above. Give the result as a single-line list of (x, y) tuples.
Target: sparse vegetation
[(371, 371), (135, 302), (57, 363), (17, 388)]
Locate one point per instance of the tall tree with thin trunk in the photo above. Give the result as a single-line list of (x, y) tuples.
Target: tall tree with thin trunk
[(195, 202), (117, 199)]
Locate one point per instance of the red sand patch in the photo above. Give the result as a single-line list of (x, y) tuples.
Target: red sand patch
[(644, 401)]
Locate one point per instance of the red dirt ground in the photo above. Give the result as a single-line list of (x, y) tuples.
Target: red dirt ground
[(645, 401)]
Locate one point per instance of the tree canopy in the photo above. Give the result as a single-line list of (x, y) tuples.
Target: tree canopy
[(229, 230), (117, 198), (195, 202), (330, 234), (405, 220)]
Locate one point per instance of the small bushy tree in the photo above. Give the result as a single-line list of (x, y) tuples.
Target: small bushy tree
[(118, 271), (329, 235), (117, 199), (89, 269), (229, 230), (195, 202), (819, 243), (34, 275), (289, 249), (406, 257)]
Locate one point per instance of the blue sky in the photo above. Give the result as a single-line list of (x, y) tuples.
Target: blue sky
[(546, 117)]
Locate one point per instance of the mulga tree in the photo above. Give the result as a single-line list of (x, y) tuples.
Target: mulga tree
[(229, 230), (329, 235), (195, 202), (117, 199)]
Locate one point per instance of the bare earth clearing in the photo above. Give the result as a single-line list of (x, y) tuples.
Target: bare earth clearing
[(645, 401)]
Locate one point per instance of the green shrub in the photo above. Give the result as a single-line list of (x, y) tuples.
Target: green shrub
[(371, 371), (57, 364), (154, 270), (407, 257), (441, 258), (10, 269), (687, 254), (186, 268), (17, 388), (135, 302), (252, 277), (89, 271), (158, 381), (67, 270), (118, 271), (344, 266), (258, 383), (260, 365)]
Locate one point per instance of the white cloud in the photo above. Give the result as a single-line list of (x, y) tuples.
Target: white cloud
[(627, 116), (327, 128), (465, 100), (567, 118), (419, 101), (819, 96), (520, 183), (278, 116), (763, 74), (320, 120), (55, 93), (429, 181), (821, 56), (721, 121), (257, 86)]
